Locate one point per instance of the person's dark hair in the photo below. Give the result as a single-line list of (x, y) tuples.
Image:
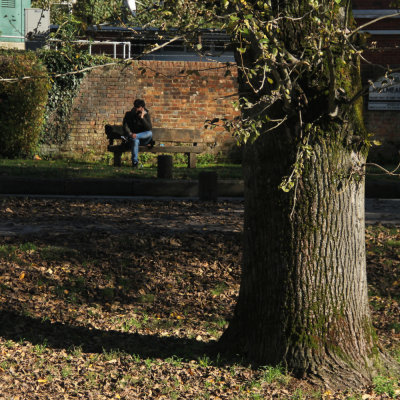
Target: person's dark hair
[(139, 103)]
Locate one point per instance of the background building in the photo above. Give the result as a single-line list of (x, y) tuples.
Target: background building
[(19, 23), (12, 22), (382, 107)]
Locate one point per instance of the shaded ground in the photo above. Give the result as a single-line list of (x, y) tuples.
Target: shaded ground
[(384, 211), (119, 215), (124, 300), (113, 216)]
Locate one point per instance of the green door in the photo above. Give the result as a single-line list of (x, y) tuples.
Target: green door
[(12, 23)]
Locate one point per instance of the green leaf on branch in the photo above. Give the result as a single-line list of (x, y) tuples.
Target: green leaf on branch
[(244, 31), (286, 185)]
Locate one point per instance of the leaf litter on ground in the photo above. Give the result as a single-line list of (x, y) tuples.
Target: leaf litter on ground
[(124, 300)]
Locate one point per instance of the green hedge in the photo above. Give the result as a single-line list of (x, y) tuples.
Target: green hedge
[(22, 102)]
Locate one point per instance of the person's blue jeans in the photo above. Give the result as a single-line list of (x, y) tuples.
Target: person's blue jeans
[(142, 139)]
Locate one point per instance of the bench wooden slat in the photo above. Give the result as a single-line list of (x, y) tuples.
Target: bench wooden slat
[(159, 149), (177, 135), (168, 135)]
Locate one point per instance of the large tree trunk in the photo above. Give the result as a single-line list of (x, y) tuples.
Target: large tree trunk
[(303, 297)]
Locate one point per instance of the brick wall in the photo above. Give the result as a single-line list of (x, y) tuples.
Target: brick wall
[(384, 124), (174, 99)]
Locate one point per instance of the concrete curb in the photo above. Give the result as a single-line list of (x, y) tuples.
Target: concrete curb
[(149, 187), (114, 187)]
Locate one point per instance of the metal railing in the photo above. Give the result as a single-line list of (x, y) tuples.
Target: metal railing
[(126, 46)]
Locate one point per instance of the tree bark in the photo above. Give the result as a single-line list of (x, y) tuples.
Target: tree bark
[(303, 298)]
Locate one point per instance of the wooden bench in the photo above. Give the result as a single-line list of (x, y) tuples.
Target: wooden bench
[(184, 141)]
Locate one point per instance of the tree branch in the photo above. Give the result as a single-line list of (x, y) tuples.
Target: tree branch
[(127, 62), (371, 22), (384, 169)]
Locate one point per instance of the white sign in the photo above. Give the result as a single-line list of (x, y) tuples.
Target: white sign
[(131, 5), (384, 94)]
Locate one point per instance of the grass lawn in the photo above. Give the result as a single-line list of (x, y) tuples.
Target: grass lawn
[(68, 169), (124, 300)]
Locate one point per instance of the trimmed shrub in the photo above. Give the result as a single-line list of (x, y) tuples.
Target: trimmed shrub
[(22, 102)]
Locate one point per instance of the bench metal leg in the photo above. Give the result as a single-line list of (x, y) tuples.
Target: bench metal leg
[(192, 158), (117, 159)]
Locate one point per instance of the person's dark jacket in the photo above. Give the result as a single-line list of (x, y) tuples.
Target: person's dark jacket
[(135, 124)]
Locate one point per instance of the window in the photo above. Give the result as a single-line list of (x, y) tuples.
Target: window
[(8, 3)]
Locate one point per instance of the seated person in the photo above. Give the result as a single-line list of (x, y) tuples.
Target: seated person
[(137, 128)]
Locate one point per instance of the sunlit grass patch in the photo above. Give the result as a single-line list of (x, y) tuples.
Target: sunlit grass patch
[(386, 386), (396, 354), (28, 247), (56, 253), (146, 298), (395, 327), (219, 288), (41, 348), (103, 169), (8, 252), (275, 374), (393, 243)]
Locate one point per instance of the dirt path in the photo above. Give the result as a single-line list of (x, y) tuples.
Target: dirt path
[(19, 216), (384, 211), (22, 216)]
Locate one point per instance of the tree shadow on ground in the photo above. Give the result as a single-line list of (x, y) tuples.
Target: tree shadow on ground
[(19, 328), (103, 268)]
